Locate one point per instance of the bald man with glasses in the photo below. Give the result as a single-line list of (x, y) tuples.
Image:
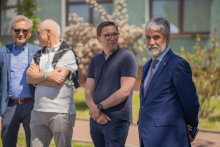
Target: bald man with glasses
[(16, 95)]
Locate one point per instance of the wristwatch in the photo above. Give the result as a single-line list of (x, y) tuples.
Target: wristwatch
[(100, 107)]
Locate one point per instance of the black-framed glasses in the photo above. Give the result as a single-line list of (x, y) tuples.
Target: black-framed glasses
[(24, 31), (38, 32), (109, 36)]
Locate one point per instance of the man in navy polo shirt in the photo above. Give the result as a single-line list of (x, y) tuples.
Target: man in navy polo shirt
[(109, 88)]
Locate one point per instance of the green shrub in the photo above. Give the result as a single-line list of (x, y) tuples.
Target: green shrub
[(205, 72)]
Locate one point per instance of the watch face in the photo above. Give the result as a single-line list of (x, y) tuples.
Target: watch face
[(99, 106)]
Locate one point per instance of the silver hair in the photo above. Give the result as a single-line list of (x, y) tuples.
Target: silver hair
[(55, 28), (157, 23), (22, 18)]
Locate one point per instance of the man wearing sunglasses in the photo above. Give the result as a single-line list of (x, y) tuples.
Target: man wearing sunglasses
[(16, 95), (109, 88)]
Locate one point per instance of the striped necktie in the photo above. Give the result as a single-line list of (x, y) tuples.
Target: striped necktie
[(153, 69)]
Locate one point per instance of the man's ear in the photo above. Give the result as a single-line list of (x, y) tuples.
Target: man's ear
[(98, 38), (49, 32), (11, 32), (167, 40), (29, 34)]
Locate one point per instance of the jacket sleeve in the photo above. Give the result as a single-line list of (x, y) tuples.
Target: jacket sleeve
[(182, 79)]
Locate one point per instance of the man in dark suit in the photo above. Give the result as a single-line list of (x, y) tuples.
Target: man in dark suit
[(168, 99), (16, 95)]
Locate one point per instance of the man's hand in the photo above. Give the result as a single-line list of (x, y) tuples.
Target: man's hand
[(55, 76), (94, 112), (189, 128), (191, 139), (103, 119), (34, 68)]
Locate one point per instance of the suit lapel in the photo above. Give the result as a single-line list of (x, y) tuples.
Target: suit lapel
[(8, 60), (158, 72), (145, 71), (30, 54)]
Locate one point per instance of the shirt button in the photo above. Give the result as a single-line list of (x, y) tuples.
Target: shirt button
[(142, 107)]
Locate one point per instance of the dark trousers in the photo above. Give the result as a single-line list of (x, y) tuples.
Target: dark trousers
[(11, 119), (112, 134), (142, 144)]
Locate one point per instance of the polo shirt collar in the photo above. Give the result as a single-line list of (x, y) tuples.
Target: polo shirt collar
[(54, 48), (103, 53)]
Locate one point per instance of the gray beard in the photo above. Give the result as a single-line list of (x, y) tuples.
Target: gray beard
[(156, 52)]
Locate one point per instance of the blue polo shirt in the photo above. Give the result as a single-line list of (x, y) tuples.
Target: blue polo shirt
[(107, 74)]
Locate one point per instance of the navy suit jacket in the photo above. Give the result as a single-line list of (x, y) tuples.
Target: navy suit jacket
[(5, 72), (169, 105)]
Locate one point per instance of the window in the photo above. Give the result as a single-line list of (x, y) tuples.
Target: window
[(7, 14), (185, 16), (81, 8)]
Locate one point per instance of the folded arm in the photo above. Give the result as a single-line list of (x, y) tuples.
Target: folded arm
[(53, 79), (52, 83), (33, 74)]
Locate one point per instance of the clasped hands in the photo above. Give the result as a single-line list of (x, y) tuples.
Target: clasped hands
[(54, 76), (98, 116), (189, 127)]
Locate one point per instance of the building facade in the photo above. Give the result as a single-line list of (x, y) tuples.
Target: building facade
[(187, 17)]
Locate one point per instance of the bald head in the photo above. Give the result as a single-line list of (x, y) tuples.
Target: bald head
[(51, 25)]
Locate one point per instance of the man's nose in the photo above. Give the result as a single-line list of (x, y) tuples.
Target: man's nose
[(112, 37), (21, 33), (152, 41)]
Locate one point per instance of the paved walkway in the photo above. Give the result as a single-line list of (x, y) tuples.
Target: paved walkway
[(203, 139), (81, 134)]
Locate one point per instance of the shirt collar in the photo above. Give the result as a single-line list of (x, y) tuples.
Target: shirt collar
[(21, 48), (103, 53), (54, 48), (162, 55)]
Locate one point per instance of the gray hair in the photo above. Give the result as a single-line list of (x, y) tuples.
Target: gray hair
[(157, 23), (55, 28), (22, 18)]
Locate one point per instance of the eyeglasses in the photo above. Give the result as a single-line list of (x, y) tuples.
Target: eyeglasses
[(38, 32), (24, 31), (109, 36)]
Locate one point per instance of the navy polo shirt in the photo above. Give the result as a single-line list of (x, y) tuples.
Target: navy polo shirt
[(107, 75)]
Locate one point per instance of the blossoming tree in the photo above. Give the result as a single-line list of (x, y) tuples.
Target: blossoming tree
[(82, 36)]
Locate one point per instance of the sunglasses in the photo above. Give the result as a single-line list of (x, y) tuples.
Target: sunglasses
[(24, 31)]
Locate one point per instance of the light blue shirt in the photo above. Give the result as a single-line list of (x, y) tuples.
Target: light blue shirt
[(158, 58), (19, 88)]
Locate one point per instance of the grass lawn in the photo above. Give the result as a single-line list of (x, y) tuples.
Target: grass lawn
[(22, 142), (212, 123)]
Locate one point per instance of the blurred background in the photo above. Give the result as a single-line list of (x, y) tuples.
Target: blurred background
[(194, 28)]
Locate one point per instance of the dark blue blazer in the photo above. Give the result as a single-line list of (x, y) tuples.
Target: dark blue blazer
[(169, 105), (5, 72)]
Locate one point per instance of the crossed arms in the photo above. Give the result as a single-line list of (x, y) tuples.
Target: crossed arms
[(53, 79), (116, 98)]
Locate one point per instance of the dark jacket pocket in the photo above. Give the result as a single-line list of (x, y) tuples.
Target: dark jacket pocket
[(165, 122)]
